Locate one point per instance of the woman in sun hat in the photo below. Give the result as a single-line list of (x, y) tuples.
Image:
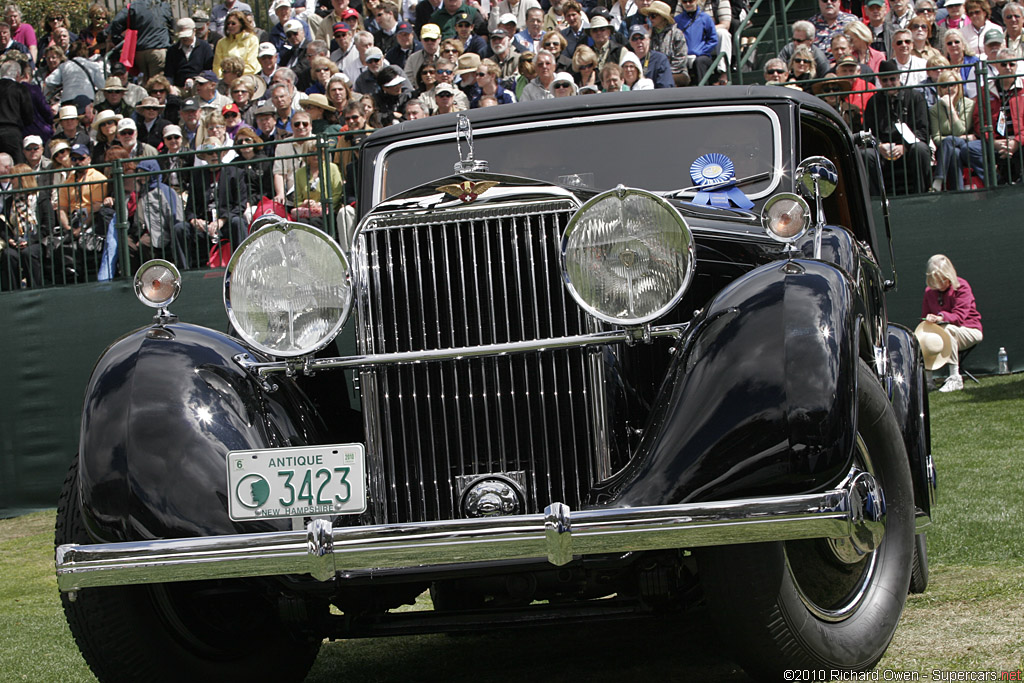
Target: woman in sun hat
[(949, 303)]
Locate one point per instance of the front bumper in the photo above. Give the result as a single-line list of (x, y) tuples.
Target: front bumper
[(854, 512)]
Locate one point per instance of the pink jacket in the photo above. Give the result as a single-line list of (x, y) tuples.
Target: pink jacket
[(956, 306)]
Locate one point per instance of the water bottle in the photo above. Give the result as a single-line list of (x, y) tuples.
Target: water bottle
[(1003, 361)]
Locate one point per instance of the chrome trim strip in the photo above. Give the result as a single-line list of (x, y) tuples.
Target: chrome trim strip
[(369, 360), (558, 535), (379, 162)]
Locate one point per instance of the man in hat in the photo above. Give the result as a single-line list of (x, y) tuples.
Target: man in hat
[(189, 118), (668, 39), (607, 50), (343, 40), (325, 31), (294, 55), (655, 65), (219, 13), (881, 34), (265, 118), (202, 20), (128, 136), (173, 143), (80, 197), (828, 91), (470, 41), (530, 38), (366, 83), (465, 75), (267, 57), (133, 93), (150, 121), (502, 53), (190, 56), (206, 92), (69, 127), (283, 12), (450, 11), (113, 98), (430, 37), (33, 149), (405, 45), (899, 120)]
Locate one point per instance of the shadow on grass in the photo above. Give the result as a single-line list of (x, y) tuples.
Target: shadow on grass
[(682, 649), (996, 388)]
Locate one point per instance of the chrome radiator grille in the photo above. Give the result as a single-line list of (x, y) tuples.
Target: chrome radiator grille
[(480, 277)]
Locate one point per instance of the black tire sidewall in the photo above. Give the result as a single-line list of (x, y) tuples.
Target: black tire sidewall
[(754, 599)]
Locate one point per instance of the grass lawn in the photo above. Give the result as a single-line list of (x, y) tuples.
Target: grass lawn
[(970, 619)]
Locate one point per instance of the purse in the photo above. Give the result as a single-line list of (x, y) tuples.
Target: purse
[(131, 40), (220, 255)]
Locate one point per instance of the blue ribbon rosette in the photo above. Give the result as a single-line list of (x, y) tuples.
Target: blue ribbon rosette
[(717, 173)]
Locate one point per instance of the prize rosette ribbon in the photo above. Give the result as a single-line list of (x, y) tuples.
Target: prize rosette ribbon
[(717, 174)]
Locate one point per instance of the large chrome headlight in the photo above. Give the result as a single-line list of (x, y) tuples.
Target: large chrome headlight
[(287, 289), (627, 256)]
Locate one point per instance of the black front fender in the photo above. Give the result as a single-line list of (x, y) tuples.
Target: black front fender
[(761, 397), (162, 409)]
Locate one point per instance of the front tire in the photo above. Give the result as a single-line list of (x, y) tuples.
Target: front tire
[(187, 631), (806, 604)]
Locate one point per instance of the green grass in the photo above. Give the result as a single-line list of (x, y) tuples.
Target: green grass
[(971, 618)]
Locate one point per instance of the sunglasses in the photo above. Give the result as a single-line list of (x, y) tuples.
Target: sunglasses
[(445, 94), (354, 117), (902, 42), (562, 86), (161, 91), (444, 72), (952, 42), (320, 69), (927, 10), (449, 49), (302, 124), (126, 132), (776, 71), (481, 74), (553, 44), (1012, 16), (428, 72), (109, 123), (231, 115), (75, 157), (586, 66), (172, 137), (801, 61), (975, 12), (831, 89), (243, 91), (919, 27), (32, 148)]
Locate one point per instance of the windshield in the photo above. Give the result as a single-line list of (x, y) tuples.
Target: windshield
[(651, 150)]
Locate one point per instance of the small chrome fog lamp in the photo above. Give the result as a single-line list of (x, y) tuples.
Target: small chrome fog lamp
[(157, 283), (786, 217)]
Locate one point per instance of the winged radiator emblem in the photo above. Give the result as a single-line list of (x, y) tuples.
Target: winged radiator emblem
[(468, 190)]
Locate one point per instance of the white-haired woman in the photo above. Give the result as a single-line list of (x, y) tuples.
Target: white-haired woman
[(949, 301)]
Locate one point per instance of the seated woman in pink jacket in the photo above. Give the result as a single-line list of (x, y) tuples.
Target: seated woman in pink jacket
[(948, 301)]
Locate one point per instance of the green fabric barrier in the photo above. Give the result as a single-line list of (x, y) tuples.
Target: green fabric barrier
[(53, 337)]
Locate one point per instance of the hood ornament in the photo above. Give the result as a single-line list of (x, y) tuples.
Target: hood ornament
[(464, 133), (468, 190)]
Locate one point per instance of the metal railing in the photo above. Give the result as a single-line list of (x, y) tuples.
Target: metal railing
[(99, 222)]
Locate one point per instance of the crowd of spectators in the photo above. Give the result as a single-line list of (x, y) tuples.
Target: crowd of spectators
[(909, 74), (200, 97)]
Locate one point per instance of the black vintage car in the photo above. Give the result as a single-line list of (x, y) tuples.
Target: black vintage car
[(632, 351)]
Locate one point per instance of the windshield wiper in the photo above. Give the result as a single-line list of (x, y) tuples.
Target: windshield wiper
[(714, 186)]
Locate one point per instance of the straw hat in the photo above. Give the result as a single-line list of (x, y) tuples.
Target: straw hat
[(936, 344), (68, 111), (660, 8), (317, 100), (103, 117)]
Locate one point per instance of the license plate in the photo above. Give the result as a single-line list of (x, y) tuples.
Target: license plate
[(297, 482)]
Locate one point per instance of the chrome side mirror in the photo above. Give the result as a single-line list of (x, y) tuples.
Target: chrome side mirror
[(817, 177)]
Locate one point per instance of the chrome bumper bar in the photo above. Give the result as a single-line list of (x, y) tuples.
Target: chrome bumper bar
[(855, 511)]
